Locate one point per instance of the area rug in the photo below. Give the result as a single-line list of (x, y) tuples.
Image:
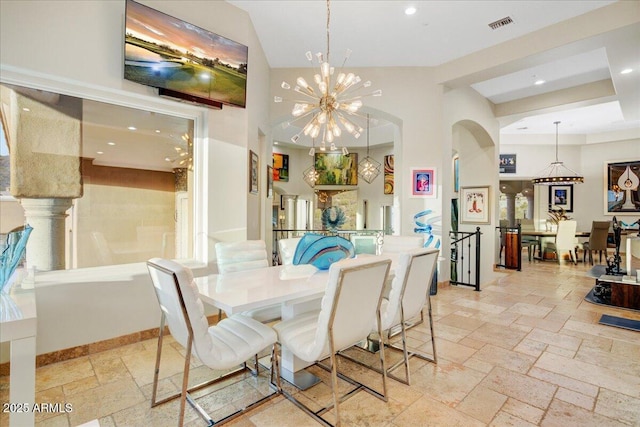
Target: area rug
[(620, 322)]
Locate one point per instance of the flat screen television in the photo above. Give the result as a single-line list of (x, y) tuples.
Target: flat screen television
[(183, 60)]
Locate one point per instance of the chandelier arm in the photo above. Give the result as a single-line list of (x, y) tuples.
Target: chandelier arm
[(304, 115), (328, 21), (557, 123), (308, 95)]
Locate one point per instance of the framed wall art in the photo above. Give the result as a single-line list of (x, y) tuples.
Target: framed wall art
[(456, 174), (253, 172), (621, 181), (388, 174), (269, 181), (475, 205), (423, 182), (561, 197), (280, 167), (336, 168), (507, 163)]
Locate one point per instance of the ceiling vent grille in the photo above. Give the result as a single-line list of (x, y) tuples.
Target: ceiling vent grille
[(501, 23)]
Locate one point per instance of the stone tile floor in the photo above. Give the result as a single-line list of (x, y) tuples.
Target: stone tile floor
[(527, 350)]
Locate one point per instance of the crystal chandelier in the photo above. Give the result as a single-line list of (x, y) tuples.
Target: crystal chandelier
[(368, 168), (330, 108), (557, 173)]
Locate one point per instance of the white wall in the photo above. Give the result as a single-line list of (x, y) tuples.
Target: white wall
[(80, 45)]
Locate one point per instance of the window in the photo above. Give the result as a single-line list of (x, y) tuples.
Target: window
[(136, 168)]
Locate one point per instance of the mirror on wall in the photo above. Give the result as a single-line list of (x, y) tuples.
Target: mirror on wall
[(135, 198)]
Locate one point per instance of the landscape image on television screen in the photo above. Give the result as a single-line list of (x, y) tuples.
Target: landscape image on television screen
[(166, 52)]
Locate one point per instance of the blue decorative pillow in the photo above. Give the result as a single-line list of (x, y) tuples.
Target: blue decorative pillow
[(322, 251)]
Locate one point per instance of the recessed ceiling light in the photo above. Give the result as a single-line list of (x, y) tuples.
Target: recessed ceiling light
[(275, 142), (166, 159), (100, 152), (26, 109), (539, 82), (157, 130), (626, 71), (132, 128), (111, 143), (410, 10)]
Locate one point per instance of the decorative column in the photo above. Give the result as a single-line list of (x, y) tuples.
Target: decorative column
[(44, 134), (46, 245)]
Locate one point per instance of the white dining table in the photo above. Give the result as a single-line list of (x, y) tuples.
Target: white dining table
[(18, 325), (298, 289)]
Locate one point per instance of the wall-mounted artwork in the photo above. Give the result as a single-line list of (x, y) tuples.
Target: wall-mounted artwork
[(423, 182), (561, 197), (474, 205), (507, 163), (253, 172), (269, 181), (388, 174), (183, 60), (280, 167), (621, 180), (336, 169), (456, 174)]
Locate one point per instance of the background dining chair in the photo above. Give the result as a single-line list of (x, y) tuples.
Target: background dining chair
[(597, 240), (242, 256), (565, 240), (397, 244), (287, 249), (350, 306), (530, 242), (226, 345)]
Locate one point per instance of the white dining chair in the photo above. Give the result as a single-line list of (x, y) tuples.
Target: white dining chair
[(565, 241), (397, 244), (351, 304), (404, 308), (287, 249), (228, 344), (410, 293), (242, 256)]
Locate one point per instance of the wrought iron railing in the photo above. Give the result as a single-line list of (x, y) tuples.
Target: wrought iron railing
[(465, 258)]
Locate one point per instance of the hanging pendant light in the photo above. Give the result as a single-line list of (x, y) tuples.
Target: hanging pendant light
[(368, 168), (311, 175), (557, 173), (330, 108)]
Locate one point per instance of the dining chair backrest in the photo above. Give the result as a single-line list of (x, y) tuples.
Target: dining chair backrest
[(180, 302), (287, 249), (566, 235), (350, 304), (397, 244), (599, 235), (527, 225), (410, 288), (239, 256)]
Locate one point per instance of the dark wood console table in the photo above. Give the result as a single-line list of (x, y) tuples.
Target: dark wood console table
[(622, 293)]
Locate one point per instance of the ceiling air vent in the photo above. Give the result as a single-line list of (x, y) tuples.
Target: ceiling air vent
[(501, 23)]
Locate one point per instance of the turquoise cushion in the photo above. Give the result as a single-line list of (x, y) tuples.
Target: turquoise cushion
[(322, 251)]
